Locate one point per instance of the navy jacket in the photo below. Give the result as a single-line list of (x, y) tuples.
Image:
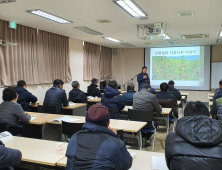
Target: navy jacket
[(217, 104), (112, 100), (25, 98), (175, 92), (141, 80), (152, 90), (9, 157), (97, 148), (128, 96), (56, 97), (77, 96), (94, 91), (196, 144)]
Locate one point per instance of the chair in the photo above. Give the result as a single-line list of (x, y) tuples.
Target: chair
[(128, 103), (112, 113), (47, 109), (143, 116), (169, 104), (69, 129)]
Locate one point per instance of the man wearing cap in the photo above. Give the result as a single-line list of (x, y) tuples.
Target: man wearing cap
[(173, 90), (128, 96), (142, 77), (97, 146), (76, 95), (56, 96)]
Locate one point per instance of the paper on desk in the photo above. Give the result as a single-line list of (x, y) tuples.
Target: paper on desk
[(5, 136), (33, 117), (71, 103), (65, 119), (159, 163), (90, 97)]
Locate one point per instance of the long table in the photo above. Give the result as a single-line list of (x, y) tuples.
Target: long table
[(37, 152), (78, 109), (142, 161)]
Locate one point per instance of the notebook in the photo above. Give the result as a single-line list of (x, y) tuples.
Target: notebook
[(159, 163), (90, 97), (71, 103), (5, 136), (33, 117), (65, 119)]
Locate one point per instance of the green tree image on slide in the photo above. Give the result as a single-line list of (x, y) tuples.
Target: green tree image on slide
[(181, 68)]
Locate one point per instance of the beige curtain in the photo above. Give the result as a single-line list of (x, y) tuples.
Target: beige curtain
[(40, 57), (91, 61), (106, 63)]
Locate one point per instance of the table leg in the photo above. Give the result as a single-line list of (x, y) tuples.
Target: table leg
[(140, 141), (167, 124), (182, 110)]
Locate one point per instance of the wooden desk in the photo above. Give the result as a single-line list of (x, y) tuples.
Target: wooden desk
[(143, 160), (211, 94), (79, 109), (178, 102), (184, 94), (37, 151), (210, 98), (96, 100)]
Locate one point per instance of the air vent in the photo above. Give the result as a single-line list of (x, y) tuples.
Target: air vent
[(195, 41), (171, 42), (103, 21), (127, 44), (193, 36), (184, 14), (219, 40), (6, 1), (88, 30)]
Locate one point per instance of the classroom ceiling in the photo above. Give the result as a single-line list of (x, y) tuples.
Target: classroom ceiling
[(207, 19)]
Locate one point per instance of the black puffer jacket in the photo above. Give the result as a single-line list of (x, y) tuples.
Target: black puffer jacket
[(77, 96), (196, 144), (94, 91)]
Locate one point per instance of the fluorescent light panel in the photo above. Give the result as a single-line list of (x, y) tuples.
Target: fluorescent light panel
[(127, 44), (131, 7), (112, 39), (88, 30), (49, 16), (220, 34)]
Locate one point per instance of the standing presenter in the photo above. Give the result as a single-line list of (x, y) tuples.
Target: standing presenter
[(142, 77)]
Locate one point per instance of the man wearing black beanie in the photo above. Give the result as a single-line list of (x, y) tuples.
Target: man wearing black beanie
[(97, 146)]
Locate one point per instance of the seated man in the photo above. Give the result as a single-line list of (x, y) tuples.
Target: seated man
[(152, 90), (56, 96), (128, 96), (93, 89), (197, 141), (144, 100), (25, 97), (164, 95), (173, 90), (9, 157), (105, 151), (217, 103), (76, 95), (10, 111), (111, 98)]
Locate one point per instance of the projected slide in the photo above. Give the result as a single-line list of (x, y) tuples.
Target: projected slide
[(181, 64)]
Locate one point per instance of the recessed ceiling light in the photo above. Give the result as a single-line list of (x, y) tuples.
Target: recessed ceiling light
[(193, 41), (220, 34), (131, 7), (6, 1), (49, 16), (183, 14), (88, 30), (127, 44), (171, 42), (112, 39)]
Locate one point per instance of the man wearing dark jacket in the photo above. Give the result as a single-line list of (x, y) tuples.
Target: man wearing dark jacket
[(217, 103), (111, 98), (173, 90), (9, 157), (76, 95), (164, 95), (197, 141), (56, 96), (97, 146), (25, 97), (152, 90), (128, 96), (93, 89), (142, 77)]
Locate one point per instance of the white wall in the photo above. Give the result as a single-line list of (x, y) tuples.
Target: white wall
[(76, 66)]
